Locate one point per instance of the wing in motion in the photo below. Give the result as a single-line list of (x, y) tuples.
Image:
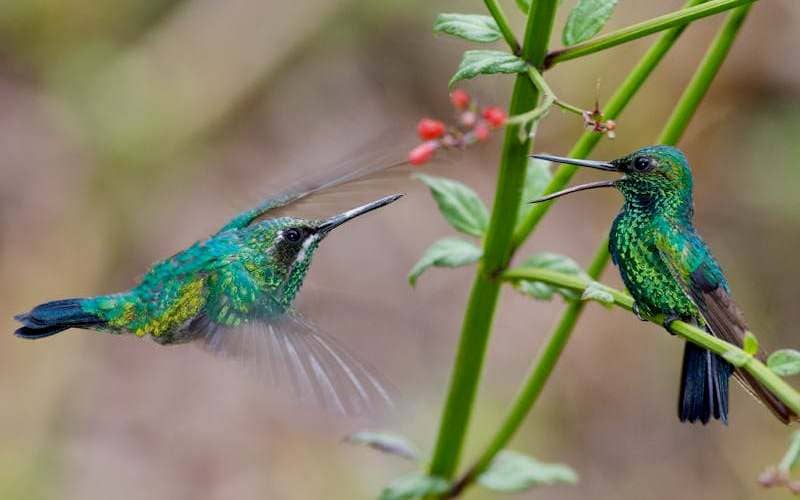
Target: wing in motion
[(291, 352)]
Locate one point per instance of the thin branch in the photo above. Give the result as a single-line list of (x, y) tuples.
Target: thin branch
[(502, 22), (549, 99), (639, 30), (786, 393)]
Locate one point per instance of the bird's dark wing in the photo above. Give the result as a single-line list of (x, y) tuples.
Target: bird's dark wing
[(290, 352), (693, 266)]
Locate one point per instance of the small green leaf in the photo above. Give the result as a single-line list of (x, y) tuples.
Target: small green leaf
[(414, 485), (598, 292), (750, 344), (737, 358), (524, 5), (555, 262), (586, 19), (459, 204), (447, 252), (784, 362), (487, 62), (388, 443), (470, 27), (513, 472), (537, 176)]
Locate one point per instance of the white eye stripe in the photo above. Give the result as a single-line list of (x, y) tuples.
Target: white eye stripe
[(301, 255)]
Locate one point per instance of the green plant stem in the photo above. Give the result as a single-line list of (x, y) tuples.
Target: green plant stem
[(786, 393), (792, 453), (701, 81), (549, 99), (536, 380), (480, 309), (639, 30), (621, 98), (502, 22)]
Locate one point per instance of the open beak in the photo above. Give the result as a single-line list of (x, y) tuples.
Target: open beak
[(599, 165), (338, 220)]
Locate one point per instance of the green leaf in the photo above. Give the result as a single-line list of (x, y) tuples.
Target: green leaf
[(537, 177), (556, 262), (513, 472), (737, 358), (487, 62), (524, 6), (459, 204), (586, 19), (784, 362), (598, 292), (447, 252), (386, 442), (414, 485), (470, 27), (750, 344)]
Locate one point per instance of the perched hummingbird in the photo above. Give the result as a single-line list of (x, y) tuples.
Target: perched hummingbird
[(668, 269), (233, 293)]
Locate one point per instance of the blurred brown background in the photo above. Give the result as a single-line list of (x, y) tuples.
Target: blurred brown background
[(130, 129)]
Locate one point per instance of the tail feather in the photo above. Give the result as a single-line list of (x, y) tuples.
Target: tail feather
[(53, 317), (704, 386)]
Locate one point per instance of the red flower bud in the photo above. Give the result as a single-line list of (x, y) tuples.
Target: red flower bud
[(468, 119), (422, 153), (481, 131), (460, 99), (494, 115), (430, 129)]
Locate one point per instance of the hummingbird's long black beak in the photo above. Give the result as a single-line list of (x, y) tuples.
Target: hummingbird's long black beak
[(599, 165), (339, 219)]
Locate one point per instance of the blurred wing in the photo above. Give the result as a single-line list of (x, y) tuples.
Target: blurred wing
[(692, 266), (291, 352), (357, 167)]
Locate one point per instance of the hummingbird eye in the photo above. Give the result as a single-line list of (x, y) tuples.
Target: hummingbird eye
[(644, 164), (292, 235)]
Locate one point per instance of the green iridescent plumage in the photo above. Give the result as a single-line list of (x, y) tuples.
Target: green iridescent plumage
[(668, 269), (235, 274), (233, 292)]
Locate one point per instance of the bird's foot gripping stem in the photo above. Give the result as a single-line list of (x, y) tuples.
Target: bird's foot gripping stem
[(638, 312), (667, 323)]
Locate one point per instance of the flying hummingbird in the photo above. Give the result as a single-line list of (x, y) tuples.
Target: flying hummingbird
[(669, 269), (233, 293)]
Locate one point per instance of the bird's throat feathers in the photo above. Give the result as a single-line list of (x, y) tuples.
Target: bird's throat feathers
[(279, 264)]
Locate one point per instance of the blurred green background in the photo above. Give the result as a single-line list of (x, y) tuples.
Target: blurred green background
[(130, 129)]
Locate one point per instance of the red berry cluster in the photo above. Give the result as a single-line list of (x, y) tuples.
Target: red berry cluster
[(474, 124)]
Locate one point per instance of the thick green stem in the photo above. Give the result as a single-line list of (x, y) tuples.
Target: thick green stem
[(786, 393), (496, 254), (502, 22), (661, 23), (537, 378)]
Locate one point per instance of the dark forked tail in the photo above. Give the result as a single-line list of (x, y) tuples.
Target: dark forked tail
[(53, 317), (704, 386)]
